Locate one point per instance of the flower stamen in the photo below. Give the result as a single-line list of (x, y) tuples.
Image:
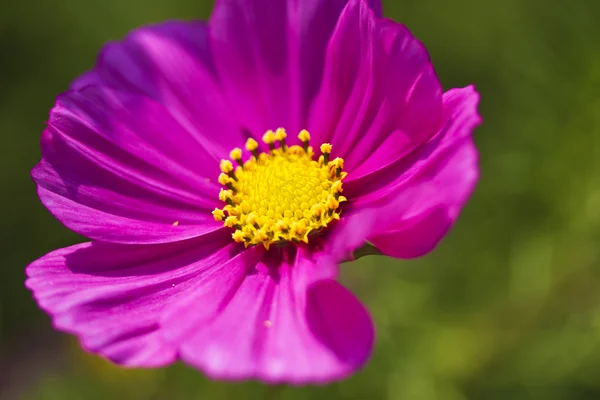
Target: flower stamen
[(282, 195)]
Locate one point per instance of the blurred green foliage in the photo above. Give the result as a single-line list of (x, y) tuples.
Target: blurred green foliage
[(508, 306)]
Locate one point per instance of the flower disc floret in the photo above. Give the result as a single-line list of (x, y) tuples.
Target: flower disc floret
[(283, 195)]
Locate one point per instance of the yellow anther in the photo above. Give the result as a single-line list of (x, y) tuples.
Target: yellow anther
[(325, 149), (252, 218), (226, 166), (304, 136), (337, 162), (248, 230), (298, 227), (225, 195), (269, 137), (236, 154), (238, 236), (281, 195), (261, 235), (332, 203), (218, 214), (336, 187), (225, 179), (231, 210), (282, 226), (317, 210), (299, 230), (231, 221), (251, 144), (280, 134)]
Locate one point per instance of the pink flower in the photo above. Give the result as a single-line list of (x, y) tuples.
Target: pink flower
[(226, 258)]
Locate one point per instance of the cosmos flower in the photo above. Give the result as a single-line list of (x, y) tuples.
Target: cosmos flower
[(223, 170)]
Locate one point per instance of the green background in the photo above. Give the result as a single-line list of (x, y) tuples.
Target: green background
[(507, 307)]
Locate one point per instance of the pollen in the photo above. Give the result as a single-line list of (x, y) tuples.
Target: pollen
[(282, 195)]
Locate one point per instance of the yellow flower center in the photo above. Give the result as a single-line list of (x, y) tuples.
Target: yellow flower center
[(279, 196)]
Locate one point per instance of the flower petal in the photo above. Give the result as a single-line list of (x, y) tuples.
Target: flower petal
[(111, 296), (415, 201), (117, 167), (380, 98), (430, 214), (283, 320), (269, 56), (171, 63)]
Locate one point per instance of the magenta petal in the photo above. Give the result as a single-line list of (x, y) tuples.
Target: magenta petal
[(413, 203), (171, 63), (111, 296), (269, 56), (429, 216), (460, 118), (278, 321), (117, 167), (380, 97)]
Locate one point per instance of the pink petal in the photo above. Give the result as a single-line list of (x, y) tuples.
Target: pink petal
[(284, 320), (412, 204), (111, 296), (380, 97), (269, 56), (423, 223), (117, 167), (171, 63)]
